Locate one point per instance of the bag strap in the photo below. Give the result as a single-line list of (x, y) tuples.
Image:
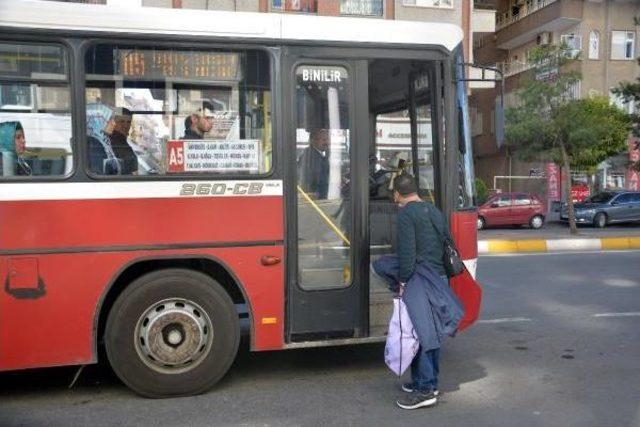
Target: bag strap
[(438, 230), (400, 323)]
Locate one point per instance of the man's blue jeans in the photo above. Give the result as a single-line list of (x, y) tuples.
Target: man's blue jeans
[(424, 370)]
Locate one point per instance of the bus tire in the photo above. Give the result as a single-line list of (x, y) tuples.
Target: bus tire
[(173, 332)]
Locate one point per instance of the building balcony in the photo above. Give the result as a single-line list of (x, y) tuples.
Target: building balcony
[(524, 23), (512, 68)]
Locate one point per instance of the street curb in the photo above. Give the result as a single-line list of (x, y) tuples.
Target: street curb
[(557, 245)]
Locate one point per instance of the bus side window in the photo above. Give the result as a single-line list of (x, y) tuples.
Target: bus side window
[(176, 111), (35, 118)]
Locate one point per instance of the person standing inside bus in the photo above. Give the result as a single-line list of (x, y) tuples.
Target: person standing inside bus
[(199, 123), (417, 273), (313, 165), (13, 146)]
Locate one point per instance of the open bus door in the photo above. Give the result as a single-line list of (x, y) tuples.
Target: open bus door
[(325, 132)]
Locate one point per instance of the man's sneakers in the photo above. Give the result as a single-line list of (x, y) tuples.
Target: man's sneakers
[(417, 400), (408, 387)]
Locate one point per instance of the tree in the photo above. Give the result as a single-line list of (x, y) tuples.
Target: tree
[(482, 192), (630, 92), (549, 124)]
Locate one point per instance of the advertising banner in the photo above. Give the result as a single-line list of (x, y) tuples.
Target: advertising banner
[(553, 182)]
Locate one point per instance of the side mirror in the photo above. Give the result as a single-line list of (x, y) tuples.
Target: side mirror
[(495, 205)]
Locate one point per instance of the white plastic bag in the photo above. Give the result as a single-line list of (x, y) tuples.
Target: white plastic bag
[(402, 342)]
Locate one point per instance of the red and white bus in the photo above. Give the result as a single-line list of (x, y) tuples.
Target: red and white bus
[(233, 212)]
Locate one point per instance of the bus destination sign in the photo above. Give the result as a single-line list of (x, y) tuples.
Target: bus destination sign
[(167, 64), (213, 156)]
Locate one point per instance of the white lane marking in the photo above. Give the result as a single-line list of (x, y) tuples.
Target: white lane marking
[(506, 320), (628, 314)]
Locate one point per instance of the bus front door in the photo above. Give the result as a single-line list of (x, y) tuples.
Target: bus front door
[(325, 114)]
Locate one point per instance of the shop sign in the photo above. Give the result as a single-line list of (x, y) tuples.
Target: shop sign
[(579, 193)]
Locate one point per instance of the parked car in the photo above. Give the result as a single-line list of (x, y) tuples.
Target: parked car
[(512, 209), (607, 207)]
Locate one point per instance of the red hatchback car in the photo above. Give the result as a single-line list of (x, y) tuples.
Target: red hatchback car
[(512, 209)]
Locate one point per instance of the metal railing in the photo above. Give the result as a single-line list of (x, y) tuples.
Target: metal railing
[(529, 7), (514, 67)]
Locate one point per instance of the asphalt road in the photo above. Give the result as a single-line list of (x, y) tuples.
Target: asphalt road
[(558, 345)]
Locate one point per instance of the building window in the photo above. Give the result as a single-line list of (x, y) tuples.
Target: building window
[(628, 106), (573, 43), (361, 7), (594, 45), (307, 6), (429, 3), (622, 44), (476, 121)]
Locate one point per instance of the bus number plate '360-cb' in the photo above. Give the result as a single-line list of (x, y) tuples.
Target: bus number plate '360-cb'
[(222, 188)]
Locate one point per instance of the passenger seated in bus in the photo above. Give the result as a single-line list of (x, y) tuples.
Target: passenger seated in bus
[(13, 146), (120, 145), (100, 125), (313, 165), (199, 122)]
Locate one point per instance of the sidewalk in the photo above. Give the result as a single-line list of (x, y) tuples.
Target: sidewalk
[(554, 237)]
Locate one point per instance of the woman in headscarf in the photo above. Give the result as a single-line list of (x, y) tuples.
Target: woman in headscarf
[(12, 147), (100, 124)]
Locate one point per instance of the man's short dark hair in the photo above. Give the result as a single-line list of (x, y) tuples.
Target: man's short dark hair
[(316, 132), (405, 184)]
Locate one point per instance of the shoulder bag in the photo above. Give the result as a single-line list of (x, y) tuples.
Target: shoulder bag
[(451, 260)]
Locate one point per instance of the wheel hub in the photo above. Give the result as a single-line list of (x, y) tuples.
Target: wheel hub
[(173, 335)]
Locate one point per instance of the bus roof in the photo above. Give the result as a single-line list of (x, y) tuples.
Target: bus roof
[(34, 14)]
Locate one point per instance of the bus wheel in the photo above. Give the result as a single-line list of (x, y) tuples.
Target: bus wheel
[(172, 332)]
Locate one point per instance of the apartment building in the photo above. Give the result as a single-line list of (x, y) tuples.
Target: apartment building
[(603, 36), (475, 17)]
